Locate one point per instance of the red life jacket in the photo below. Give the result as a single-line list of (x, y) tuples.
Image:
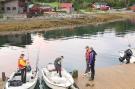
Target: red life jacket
[(21, 63), (87, 54)]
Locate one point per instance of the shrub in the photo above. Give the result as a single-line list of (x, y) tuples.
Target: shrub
[(1, 15)]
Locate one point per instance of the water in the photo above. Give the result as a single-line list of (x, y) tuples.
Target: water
[(107, 40)]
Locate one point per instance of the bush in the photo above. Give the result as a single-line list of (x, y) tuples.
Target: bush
[(1, 15)]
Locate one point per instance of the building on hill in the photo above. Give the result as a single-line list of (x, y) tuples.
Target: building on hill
[(68, 7), (15, 6)]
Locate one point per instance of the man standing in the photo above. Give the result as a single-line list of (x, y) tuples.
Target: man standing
[(87, 56), (22, 67), (92, 63), (57, 64)]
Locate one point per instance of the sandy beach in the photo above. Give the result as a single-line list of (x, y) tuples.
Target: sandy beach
[(1, 84), (115, 77)]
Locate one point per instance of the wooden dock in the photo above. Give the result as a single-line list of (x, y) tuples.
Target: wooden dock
[(116, 77)]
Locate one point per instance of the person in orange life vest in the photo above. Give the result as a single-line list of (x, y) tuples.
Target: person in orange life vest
[(87, 56), (22, 66)]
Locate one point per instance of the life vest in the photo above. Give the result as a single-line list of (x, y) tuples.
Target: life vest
[(21, 63), (87, 54)]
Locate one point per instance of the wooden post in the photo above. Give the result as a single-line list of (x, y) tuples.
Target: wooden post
[(75, 74), (3, 76)]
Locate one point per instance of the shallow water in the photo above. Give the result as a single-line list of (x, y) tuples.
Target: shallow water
[(107, 40)]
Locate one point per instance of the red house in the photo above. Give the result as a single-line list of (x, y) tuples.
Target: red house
[(132, 8), (68, 7)]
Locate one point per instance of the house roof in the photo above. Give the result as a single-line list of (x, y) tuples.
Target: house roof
[(66, 5)]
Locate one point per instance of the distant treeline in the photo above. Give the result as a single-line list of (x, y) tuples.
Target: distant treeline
[(82, 4)]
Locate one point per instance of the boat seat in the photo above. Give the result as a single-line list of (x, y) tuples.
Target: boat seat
[(15, 83)]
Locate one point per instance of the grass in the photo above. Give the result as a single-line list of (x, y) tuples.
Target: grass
[(53, 4), (1, 15)]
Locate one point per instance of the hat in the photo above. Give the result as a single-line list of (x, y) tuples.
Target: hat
[(87, 47), (22, 55), (91, 48), (62, 57)]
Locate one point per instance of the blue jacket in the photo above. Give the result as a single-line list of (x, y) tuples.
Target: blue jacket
[(92, 57)]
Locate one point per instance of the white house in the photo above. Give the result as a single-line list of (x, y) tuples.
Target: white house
[(15, 6)]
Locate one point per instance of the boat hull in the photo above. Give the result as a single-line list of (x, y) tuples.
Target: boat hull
[(27, 85), (52, 86), (52, 79)]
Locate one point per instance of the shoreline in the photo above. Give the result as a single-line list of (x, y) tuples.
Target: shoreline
[(37, 25), (58, 28)]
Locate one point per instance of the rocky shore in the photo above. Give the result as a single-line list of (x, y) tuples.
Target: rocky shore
[(35, 24)]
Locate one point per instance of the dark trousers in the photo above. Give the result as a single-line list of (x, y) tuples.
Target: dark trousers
[(92, 69), (58, 69), (87, 67), (23, 75)]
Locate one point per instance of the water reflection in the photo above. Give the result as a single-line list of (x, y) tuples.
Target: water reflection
[(120, 28), (16, 40)]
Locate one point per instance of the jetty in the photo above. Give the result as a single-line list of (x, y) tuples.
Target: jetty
[(115, 77)]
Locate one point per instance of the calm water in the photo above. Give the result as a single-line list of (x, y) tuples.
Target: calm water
[(106, 39)]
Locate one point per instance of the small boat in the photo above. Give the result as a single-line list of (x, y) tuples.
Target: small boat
[(14, 81), (52, 80), (132, 60)]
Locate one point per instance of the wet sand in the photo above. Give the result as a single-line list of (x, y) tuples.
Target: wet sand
[(116, 77)]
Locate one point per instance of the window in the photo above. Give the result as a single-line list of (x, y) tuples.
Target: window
[(8, 8), (14, 8)]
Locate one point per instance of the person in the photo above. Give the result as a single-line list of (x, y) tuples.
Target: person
[(22, 67), (28, 67), (92, 63), (87, 55), (57, 64), (127, 55)]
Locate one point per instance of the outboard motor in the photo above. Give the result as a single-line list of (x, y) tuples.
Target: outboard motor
[(127, 55), (128, 52)]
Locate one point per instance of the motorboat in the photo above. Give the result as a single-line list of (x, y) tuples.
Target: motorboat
[(52, 79), (14, 81)]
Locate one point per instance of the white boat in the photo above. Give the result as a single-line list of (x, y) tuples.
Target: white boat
[(52, 79), (132, 60), (14, 81)]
